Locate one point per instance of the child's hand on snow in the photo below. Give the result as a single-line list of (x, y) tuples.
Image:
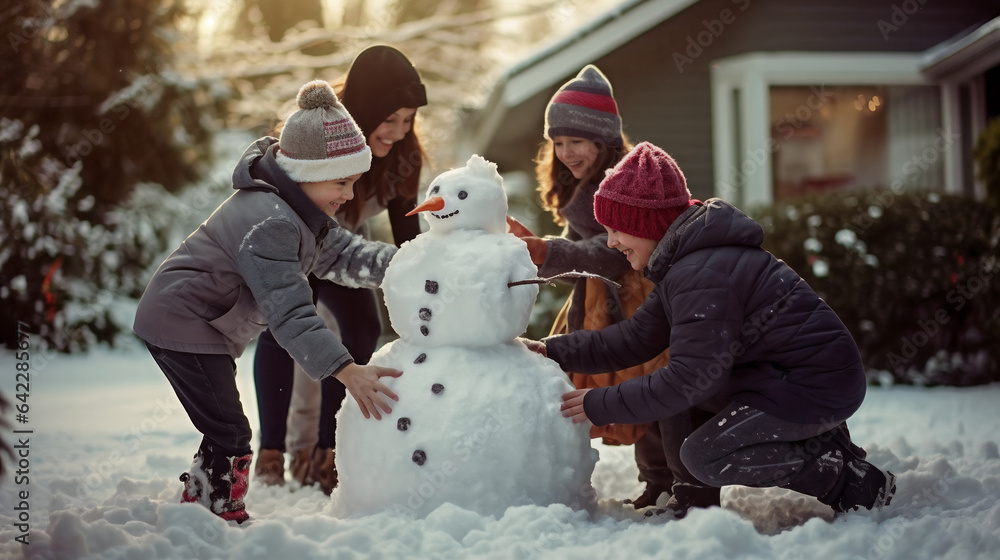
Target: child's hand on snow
[(364, 385), (535, 346), (572, 406)]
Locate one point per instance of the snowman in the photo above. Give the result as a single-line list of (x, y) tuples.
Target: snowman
[(478, 422)]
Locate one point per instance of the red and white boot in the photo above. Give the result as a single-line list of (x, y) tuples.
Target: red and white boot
[(219, 482)]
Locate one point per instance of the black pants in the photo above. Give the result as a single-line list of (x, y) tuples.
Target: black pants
[(743, 445), (273, 369), (658, 450), (206, 387)]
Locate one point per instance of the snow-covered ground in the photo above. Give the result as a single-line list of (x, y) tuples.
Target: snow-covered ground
[(109, 439)]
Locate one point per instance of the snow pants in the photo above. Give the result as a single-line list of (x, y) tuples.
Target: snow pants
[(302, 428), (206, 387), (743, 445), (657, 452), (357, 315)]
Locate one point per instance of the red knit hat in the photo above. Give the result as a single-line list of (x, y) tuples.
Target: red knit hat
[(643, 194)]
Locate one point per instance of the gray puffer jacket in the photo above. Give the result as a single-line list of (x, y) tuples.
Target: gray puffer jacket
[(741, 326), (245, 268)]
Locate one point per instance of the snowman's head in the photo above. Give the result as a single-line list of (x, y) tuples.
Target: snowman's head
[(470, 197)]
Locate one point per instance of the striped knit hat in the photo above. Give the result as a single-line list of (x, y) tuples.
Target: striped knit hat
[(320, 141), (644, 193), (585, 108)]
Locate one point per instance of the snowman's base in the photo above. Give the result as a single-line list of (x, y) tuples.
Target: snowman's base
[(476, 427)]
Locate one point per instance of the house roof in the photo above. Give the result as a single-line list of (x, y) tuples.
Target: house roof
[(589, 42), (507, 128), (605, 33), (965, 55), (548, 67)]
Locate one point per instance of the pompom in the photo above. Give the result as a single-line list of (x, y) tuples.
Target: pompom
[(316, 94)]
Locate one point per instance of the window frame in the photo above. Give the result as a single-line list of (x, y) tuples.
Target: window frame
[(741, 124)]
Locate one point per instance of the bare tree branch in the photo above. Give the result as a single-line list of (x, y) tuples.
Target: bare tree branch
[(447, 47)]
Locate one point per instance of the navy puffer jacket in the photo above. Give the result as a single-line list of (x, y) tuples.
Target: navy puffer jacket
[(740, 324)]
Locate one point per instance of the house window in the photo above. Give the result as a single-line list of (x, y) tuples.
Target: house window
[(866, 136), (832, 139)]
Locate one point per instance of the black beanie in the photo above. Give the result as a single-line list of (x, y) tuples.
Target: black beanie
[(380, 82)]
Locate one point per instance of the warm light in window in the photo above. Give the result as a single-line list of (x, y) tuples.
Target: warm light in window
[(57, 34)]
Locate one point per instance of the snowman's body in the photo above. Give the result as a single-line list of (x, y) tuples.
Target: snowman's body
[(478, 422), (450, 288)]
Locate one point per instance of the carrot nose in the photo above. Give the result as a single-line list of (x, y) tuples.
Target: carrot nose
[(432, 203)]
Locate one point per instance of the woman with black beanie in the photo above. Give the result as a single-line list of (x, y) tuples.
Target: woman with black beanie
[(382, 91)]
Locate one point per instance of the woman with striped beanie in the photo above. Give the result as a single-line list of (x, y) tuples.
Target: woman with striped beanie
[(584, 139)]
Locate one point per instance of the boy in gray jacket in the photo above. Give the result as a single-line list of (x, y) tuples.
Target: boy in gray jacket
[(245, 269)]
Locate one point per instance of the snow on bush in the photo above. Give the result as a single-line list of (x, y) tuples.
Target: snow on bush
[(913, 275)]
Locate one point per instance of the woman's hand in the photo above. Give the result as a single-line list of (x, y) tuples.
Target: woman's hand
[(518, 229), (364, 385), (572, 406), (537, 248)]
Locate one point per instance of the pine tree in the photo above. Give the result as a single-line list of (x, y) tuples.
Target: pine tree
[(90, 111)]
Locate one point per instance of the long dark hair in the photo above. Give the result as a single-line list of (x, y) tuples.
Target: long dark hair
[(556, 183), (397, 175)]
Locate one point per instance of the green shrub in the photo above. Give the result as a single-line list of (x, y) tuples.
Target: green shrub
[(94, 125), (912, 275), (987, 154)]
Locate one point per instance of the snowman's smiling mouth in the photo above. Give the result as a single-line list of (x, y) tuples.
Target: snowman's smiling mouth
[(445, 216)]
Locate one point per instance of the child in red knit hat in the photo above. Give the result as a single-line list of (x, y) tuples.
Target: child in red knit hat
[(750, 341)]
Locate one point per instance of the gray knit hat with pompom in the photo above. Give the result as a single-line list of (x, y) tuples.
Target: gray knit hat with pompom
[(320, 141)]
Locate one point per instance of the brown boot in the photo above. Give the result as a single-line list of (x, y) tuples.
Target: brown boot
[(301, 461), (323, 469), (270, 467)]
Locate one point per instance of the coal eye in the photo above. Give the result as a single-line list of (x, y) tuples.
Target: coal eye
[(435, 189), (462, 195)]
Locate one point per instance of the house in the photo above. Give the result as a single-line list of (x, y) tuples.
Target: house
[(761, 100)]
